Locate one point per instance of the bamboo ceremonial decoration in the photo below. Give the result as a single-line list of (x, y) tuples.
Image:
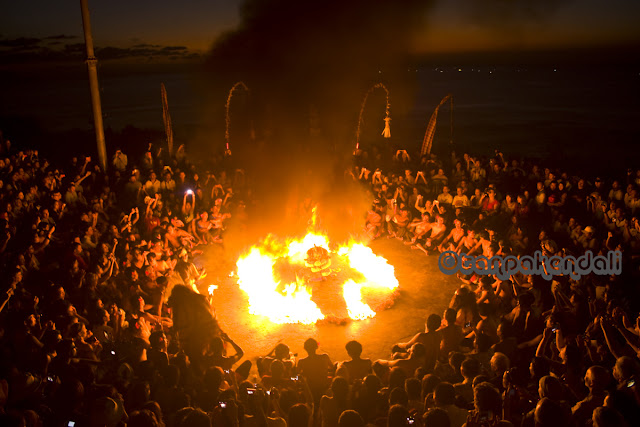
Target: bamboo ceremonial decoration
[(166, 118), (427, 142), (387, 120), (228, 116)]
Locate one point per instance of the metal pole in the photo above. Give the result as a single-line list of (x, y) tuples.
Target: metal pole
[(92, 63)]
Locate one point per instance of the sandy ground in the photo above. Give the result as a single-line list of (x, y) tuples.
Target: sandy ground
[(423, 290)]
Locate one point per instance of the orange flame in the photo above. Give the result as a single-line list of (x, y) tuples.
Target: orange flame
[(377, 272), (293, 305), (291, 302)]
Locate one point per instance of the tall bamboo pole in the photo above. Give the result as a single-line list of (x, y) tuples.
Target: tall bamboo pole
[(166, 118), (92, 68)]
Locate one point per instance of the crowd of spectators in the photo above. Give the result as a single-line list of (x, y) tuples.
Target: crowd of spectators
[(503, 345), (89, 261)]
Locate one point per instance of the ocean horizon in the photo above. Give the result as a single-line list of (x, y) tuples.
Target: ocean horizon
[(546, 111)]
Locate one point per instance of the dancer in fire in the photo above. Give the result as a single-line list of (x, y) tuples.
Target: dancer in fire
[(318, 261)]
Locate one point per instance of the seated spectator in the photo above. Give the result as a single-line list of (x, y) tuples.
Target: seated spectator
[(216, 356), (350, 418), (356, 368), (277, 377), (332, 406), (399, 416), (445, 398), (436, 236), (374, 223), (407, 362), (299, 416), (464, 390), (120, 161), (487, 407), (597, 379), (315, 368), (625, 404), (439, 179), (436, 417), (499, 366), (280, 352), (460, 200), (399, 222), (430, 340), (454, 238), (548, 412), (451, 334), (516, 398), (550, 388), (418, 229), (445, 198), (413, 389)]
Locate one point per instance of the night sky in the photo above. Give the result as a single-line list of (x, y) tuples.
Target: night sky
[(143, 27)]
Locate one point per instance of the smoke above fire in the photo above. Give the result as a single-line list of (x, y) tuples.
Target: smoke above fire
[(302, 55), (322, 56), (308, 64)]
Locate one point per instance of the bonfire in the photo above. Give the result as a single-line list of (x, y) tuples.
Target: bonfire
[(307, 279)]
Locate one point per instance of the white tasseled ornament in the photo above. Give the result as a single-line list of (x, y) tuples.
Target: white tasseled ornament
[(387, 128)]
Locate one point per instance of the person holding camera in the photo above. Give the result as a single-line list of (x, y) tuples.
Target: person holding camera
[(120, 161)]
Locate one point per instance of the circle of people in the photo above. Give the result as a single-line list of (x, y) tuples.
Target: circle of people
[(89, 260)]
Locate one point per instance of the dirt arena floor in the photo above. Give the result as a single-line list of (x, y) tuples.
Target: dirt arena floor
[(423, 290)]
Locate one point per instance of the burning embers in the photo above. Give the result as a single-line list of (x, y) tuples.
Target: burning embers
[(298, 280)]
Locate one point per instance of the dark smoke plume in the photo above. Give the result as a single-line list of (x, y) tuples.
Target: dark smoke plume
[(298, 53), (295, 54), (298, 56)]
